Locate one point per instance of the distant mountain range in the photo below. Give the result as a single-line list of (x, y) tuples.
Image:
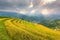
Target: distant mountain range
[(35, 19), (40, 19)]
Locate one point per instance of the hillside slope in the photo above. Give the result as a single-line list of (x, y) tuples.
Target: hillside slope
[(53, 24), (17, 29)]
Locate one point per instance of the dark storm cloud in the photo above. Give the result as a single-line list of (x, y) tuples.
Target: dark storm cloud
[(4, 4)]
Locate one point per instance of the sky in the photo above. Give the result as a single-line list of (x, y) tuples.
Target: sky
[(31, 7)]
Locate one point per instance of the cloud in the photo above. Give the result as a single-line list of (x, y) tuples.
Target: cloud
[(23, 11), (47, 1), (6, 10), (30, 6), (32, 11), (47, 11)]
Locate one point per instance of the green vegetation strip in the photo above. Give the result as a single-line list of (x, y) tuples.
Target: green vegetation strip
[(3, 31)]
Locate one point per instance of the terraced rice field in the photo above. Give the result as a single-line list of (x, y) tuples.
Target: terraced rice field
[(17, 29)]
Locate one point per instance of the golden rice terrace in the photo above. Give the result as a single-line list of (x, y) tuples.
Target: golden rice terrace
[(18, 29)]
